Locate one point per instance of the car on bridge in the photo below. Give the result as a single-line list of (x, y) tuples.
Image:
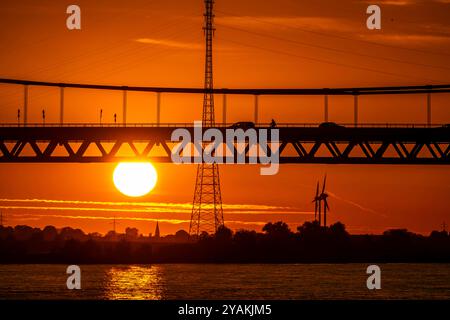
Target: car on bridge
[(330, 125), (244, 125)]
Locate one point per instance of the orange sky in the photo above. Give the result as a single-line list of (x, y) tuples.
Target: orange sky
[(264, 44)]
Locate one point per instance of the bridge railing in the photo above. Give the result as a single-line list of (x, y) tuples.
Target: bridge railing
[(219, 125)]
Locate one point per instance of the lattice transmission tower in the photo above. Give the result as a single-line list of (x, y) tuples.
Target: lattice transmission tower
[(207, 213)]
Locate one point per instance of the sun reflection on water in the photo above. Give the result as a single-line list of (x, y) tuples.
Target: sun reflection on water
[(134, 282)]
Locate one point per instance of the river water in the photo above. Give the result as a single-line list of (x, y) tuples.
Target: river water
[(226, 281)]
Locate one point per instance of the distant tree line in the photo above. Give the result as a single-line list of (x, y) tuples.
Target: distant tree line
[(276, 243), (311, 244)]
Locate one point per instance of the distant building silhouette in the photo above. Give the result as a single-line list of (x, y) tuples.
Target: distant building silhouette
[(157, 235)]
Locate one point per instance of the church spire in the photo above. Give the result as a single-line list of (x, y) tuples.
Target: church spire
[(157, 230)]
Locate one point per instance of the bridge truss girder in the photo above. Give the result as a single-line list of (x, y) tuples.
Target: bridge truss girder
[(424, 146)]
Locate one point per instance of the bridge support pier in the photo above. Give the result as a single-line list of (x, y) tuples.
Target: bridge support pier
[(224, 109), (326, 108), (355, 109), (429, 109), (25, 104), (61, 105), (158, 108), (256, 108), (124, 111)]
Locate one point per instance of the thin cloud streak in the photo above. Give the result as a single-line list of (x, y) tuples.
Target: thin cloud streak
[(170, 43), (35, 217), (269, 22), (393, 2), (434, 33), (90, 209), (408, 38), (146, 204)]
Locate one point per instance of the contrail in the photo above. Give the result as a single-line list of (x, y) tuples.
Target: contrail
[(357, 205)]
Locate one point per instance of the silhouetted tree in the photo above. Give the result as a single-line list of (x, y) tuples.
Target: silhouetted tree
[(223, 234), (439, 234), (182, 235), (23, 232), (131, 233), (94, 235), (245, 237), (397, 233), (111, 235), (279, 230), (67, 233), (203, 236), (338, 230), (310, 229), (49, 233), (6, 232)]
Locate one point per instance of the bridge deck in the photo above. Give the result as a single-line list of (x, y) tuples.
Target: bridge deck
[(307, 143)]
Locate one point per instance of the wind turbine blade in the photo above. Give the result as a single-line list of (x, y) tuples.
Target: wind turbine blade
[(317, 189), (326, 205), (324, 183)]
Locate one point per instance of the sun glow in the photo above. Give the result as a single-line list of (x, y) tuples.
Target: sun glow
[(135, 179)]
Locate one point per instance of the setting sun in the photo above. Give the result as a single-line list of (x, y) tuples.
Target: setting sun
[(135, 179)]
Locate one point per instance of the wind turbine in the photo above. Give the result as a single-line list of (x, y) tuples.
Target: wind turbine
[(316, 201), (323, 197)]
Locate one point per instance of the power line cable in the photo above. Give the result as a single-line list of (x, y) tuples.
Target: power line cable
[(337, 36), (99, 51), (333, 49), (330, 62)]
